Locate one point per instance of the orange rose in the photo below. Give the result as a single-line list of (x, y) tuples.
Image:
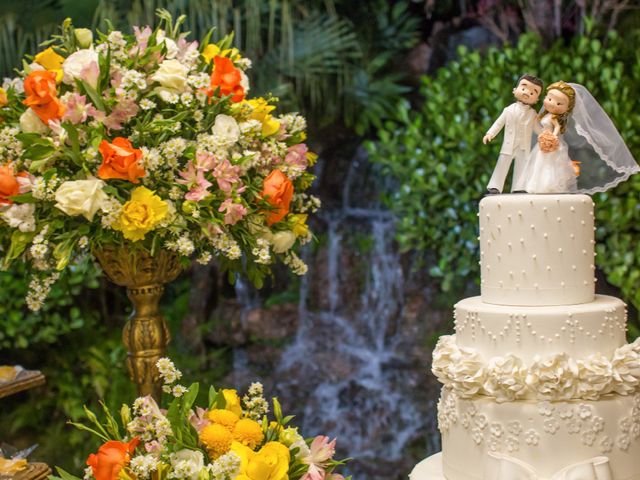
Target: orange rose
[(228, 78), (40, 87), (277, 191), (120, 160), (112, 456), (9, 185)]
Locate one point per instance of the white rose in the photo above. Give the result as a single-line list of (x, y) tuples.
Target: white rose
[(445, 355), (188, 462), (81, 197), (21, 217), (81, 65), (226, 129), (626, 368), (282, 241), (172, 75), (31, 123)]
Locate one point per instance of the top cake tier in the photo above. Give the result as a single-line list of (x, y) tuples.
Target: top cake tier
[(537, 250)]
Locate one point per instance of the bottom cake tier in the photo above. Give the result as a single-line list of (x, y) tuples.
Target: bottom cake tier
[(486, 440)]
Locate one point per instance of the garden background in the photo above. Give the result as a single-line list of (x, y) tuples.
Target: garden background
[(398, 96)]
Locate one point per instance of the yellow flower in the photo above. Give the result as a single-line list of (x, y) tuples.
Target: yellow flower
[(261, 111), (226, 418), (300, 227), (270, 463), (217, 439), (3, 97), (141, 214), (212, 50), (311, 158), (248, 432), (51, 61), (233, 401)]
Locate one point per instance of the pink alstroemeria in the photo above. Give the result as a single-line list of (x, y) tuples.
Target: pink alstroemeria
[(78, 110), (194, 179), (199, 419), (205, 161), (226, 175), (121, 114), (321, 451), (186, 49), (142, 38), (233, 212), (297, 155)]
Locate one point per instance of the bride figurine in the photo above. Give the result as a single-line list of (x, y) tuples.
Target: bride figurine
[(579, 149)]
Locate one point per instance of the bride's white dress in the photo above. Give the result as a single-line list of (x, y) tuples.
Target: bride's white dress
[(550, 172)]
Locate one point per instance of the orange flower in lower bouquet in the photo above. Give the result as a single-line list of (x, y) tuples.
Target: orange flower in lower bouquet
[(111, 458), (120, 160), (277, 191)]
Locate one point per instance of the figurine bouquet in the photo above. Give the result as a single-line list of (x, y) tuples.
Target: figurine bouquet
[(232, 439), (147, 141)]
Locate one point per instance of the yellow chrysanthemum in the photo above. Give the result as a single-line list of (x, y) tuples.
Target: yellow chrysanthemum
[(261, 111), (51, 61), (217, 439), (232, 401), (226, 418), (248, 432), (141, 214)]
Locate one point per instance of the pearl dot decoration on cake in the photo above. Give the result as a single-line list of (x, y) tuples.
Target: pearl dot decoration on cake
[(555, 268)]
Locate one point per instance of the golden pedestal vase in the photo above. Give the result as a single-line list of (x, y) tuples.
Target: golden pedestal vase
[(145, 334)]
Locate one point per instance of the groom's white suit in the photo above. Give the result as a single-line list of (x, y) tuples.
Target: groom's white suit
[(519, 121)]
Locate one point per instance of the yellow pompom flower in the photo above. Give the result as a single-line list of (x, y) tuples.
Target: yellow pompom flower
[(232, 401), (271, 462), (261, 111), (226, 418), (248, 432), (51, 61), (217, 439), (141, 214)]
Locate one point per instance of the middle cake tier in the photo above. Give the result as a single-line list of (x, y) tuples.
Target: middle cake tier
[(576, 330)]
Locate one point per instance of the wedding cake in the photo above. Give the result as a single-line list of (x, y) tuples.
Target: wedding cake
[(539, 381)]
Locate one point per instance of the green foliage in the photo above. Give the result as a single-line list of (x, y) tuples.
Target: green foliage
[(66, 310), (436, 150)]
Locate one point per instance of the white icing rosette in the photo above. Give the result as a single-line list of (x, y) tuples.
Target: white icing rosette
[(553, 378), (595, 375), (506, 378), (626, 368)]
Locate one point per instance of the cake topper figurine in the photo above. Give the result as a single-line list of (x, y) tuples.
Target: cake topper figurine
[(519, 121), (579, 150)]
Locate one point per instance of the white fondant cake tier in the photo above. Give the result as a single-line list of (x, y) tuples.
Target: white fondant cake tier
[(537, 249), (428, 469), (577, 330), (546, 437)]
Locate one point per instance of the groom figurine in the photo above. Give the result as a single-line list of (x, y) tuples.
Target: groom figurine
[(518, 120)]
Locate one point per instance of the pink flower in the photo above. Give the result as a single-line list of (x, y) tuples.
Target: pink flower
[(297, 155), (233, 212), (78, 110), (186, 49), (121, 114), (142, 37), (205, 161), (90, 73), (226, 175), (198, 419), (153, 447), (321, 451), (194, 179)]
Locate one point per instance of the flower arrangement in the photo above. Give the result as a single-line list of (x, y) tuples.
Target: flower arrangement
[(232, 439), (151, 141)]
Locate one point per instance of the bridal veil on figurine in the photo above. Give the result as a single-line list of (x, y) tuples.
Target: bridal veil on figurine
[(578, 150)]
